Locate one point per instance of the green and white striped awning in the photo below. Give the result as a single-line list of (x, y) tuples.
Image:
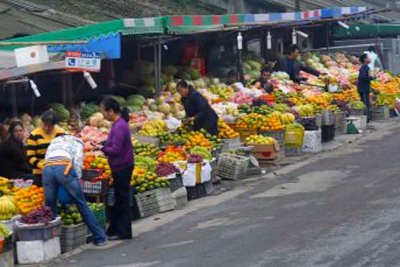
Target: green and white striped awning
[(154, 25)]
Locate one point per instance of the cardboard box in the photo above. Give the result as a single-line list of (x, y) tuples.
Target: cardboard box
[(266, 152)]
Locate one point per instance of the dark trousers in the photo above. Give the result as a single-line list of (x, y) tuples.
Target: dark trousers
[(37, 180), (365, 99), (120, 217)]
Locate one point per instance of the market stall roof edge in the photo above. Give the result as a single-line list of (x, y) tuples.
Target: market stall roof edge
[(362, 30), (96, 31), (188, 23)]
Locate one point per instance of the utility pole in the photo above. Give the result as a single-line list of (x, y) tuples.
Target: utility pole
[(297, 5)]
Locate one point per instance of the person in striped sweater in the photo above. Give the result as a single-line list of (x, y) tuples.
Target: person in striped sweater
[(38, 142)]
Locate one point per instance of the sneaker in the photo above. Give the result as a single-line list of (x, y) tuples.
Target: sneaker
[(100, 244)]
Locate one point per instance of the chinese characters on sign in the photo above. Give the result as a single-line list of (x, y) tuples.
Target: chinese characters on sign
[(83, 61)]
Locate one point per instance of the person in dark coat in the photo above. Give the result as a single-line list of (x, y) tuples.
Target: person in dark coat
[(292, 66), (198, 109), (13, 161), (364, 83)]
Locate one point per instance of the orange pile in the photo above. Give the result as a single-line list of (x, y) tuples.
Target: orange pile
[(91, 161), (197, 139), (225, 131), (29, 199), (273, 123)]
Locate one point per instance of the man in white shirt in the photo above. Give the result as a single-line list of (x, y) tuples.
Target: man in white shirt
[(63, 167)]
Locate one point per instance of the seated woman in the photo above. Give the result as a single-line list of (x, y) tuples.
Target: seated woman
[(13, 160)]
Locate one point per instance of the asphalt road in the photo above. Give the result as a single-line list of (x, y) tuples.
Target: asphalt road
[(342, 210)]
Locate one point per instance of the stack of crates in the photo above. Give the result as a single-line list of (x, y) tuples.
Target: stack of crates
[(73, 236)]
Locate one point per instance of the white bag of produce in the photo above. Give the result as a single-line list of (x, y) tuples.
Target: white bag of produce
[(228, 118), (194, 173), (312, 141), (172, 123)]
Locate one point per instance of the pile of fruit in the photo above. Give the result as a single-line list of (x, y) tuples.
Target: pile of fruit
[(147, 181), (97, 162), (153, 128), (386, 100), (70, 215), (225, 131), (146, 163), (273, 123), (40, 215), (29, 199), (201, 151), (4, 232), (145, 149), (259, 140), (306, 110), (172, 154), (252, 121), (6, 186), (8, 208), (357, 105), (95, 207), (197, 139), (172, 139), (165, 169)]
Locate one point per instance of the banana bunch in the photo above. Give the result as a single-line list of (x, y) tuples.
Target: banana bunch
[(5, 186), (4, 232), (287, 118), (153, 128), (7, 208), (306, 110)]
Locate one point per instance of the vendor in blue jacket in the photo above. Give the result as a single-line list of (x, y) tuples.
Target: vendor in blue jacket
[(198, 109), (364, 83)]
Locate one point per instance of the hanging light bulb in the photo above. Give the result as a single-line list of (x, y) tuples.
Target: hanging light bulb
[(294, 37), (90, 80), (34, 88), (269, 40), (240, 41)]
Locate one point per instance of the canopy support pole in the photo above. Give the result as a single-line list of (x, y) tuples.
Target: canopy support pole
[(159, 65), (327, 37), (155, 56), (64, 90), (14, 100)]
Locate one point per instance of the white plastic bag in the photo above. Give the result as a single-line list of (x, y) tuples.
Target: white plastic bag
[(194, 173), (312, 141), (172, 124)]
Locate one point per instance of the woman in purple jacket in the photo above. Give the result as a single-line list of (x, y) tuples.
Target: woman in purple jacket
[(119, 150)]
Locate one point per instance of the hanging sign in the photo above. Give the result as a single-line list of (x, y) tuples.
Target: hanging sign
[(83, 61)]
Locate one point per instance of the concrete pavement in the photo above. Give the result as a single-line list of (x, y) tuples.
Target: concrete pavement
[(340, 208)]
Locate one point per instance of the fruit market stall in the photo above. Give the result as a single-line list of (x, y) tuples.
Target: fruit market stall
[(37, 234)]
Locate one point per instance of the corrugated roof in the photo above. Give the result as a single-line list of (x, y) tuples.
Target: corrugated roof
[(102, 10), (36, 16), (21, 18)]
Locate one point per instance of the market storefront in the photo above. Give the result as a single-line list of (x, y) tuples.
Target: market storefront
[(142, 60)]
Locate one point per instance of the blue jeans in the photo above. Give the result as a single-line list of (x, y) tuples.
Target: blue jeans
[(52, 177)]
